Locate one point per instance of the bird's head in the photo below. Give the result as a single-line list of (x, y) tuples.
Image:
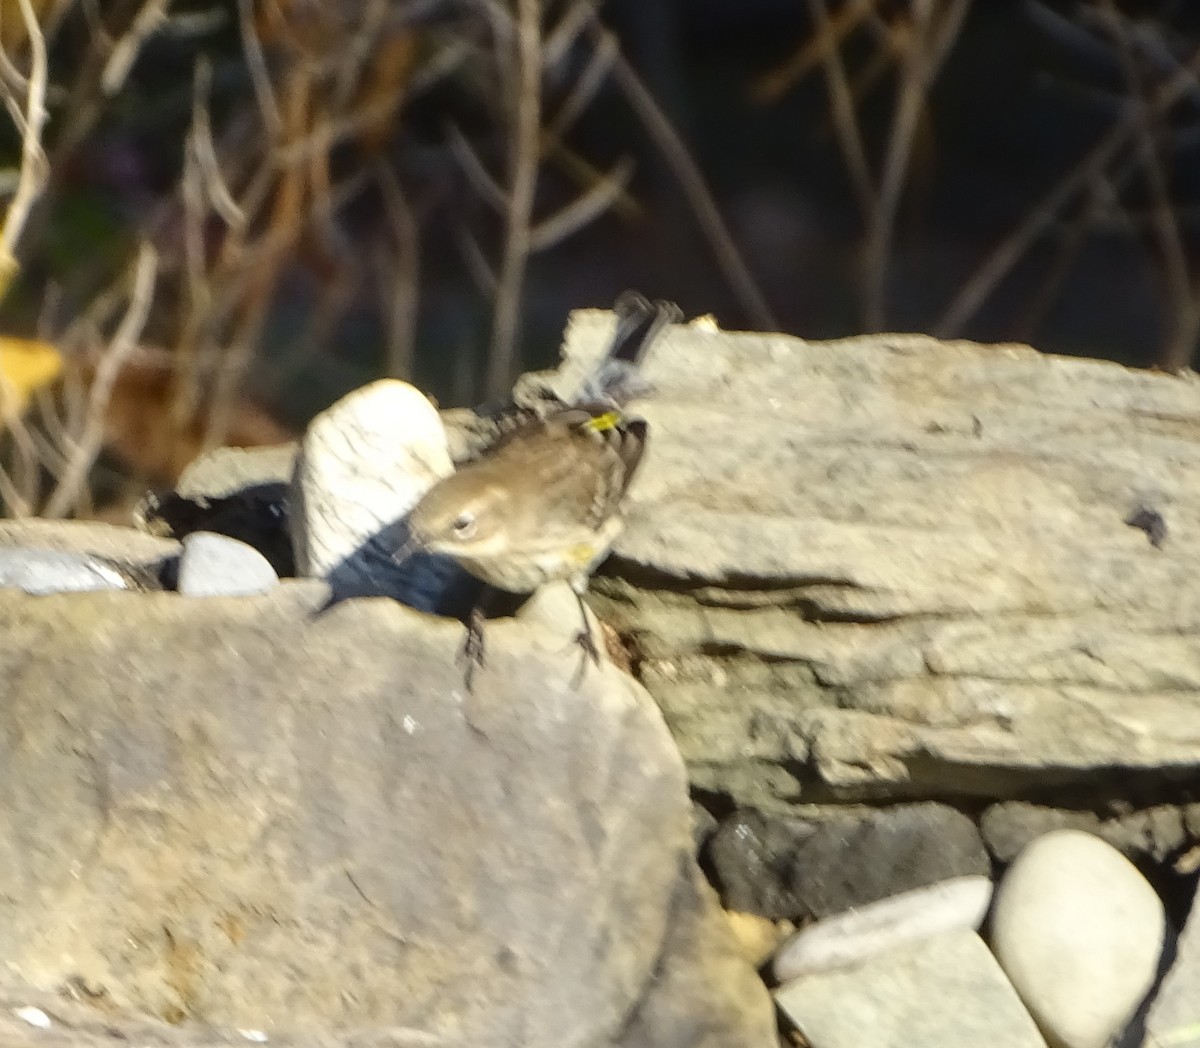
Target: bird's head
[(459, 517)]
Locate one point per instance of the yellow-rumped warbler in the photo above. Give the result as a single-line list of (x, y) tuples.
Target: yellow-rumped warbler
[(542, 503)]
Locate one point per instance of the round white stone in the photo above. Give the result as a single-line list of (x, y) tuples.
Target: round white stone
[(1078, 930), (219, 566), (363, 463)]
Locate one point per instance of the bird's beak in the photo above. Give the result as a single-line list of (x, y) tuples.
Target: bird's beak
[(408, 547)]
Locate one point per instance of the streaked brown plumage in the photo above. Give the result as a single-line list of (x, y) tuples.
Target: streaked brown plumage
[(543, 503)]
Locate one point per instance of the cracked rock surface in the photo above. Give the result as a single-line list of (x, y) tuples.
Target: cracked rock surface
[(891, 566), (237, 812)]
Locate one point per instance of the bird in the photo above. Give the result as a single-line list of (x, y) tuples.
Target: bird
[(543, 502)]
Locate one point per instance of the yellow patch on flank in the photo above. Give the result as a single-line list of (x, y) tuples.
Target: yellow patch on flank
[(582, 552), (601, 423)]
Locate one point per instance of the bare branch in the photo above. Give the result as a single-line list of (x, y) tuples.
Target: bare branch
[(87, 444), (200, 145), (475, 260), (32, 180), (691, 181), (401, 293), (477, 174), (1185, 309), (150, 17), (773, 86), (524, 158), (582, 210), (1005, 256), (559, 39), (260, 77), (845, 120), (927, 46), (599, 65)]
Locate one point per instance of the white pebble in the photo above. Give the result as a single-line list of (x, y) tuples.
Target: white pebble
[(219, 566), (33, 1016), (848, 938), (1079, 931), (363, 463)]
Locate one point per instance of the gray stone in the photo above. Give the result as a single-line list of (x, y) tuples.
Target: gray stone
[(705, 995), (233, 812), (1079, 932), (778, 866), (946, 992), (894, 567), (1155, 834), (40, 571), (852, 937), (222, 472), (218, 566), (133, 552), (1174, 1017)]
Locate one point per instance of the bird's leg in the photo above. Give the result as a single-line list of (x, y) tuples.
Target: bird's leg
[(472, 654), (586, 637)]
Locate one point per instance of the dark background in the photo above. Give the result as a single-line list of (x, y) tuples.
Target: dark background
[(1007, 121)]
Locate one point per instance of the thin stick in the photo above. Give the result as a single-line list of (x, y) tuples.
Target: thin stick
[(150, 17), (32, 180), (1163, 222), (927, 47), (402, 293), (1005, 256), (691, 181), (87, 446), (523, 165), (841, 105)]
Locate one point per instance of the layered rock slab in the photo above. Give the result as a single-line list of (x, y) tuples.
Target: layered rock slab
[(891, 566)]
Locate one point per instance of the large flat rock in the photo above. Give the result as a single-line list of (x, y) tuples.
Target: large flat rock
[(890, 566), (236, 812)]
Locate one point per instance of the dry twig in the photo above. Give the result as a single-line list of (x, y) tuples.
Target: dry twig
[(84, 447), (31, 121)]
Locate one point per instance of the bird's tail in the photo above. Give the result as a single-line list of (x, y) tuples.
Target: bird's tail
[(639, 322)]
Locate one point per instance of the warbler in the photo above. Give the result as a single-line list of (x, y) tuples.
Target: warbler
[(543, 502)]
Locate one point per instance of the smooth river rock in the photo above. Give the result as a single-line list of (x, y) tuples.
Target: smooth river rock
[(1079, 932)]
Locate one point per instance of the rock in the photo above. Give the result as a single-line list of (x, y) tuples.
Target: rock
[(234, 812), (40, 571), (1174, 1017), (239, 492), (945, 992), (223, 472), (704, 995), (363, 464), (851, 937), (903, 570), (555, 609), (1155, 834), (138, 557), (1079, 932), (778, 866), (76, 1025), (704, 825), (218, 566)]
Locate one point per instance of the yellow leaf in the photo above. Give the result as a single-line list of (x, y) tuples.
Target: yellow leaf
[(26, 365)]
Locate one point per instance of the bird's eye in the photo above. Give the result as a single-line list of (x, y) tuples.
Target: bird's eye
[(463, 525)]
